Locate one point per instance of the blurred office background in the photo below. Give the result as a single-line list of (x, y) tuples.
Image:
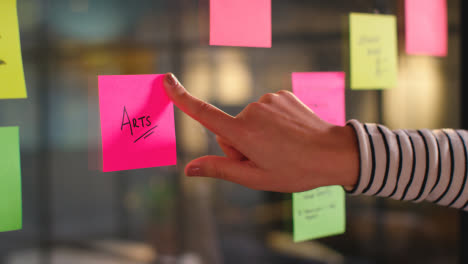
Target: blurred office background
[(73, 213)]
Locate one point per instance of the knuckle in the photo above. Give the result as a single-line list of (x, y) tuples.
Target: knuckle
[(184, 97), (254, 107), (181, 92), (202, 108), (286, 94), (267, 98), (219, 172)]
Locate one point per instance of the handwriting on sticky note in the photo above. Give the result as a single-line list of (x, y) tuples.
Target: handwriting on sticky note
[(373, 50), (245, 23), (137, 122), (323, 92), (10, 180), (132, 124), (426, 27), (12, 84), (319, 213)]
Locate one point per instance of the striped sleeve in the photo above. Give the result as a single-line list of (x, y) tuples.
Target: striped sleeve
[(413, 165)]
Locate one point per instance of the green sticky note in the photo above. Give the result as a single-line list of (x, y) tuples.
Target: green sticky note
[(373, 51), (10, 180), (319, 213), (12, 84)]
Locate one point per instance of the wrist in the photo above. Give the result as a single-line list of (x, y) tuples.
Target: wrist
[(349, 158)]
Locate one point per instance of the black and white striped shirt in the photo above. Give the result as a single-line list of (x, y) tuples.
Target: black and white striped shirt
[(413, 165)]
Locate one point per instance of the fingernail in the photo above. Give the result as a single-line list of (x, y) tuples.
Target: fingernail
[(174, 84), (194, 171), (171, 80)]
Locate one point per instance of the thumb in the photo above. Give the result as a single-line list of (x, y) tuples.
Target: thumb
[(240, 172)]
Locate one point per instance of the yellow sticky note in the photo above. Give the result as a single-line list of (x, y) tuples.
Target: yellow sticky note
[(373, 51), (12, 84)]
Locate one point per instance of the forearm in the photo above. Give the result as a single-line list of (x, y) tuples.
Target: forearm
[(413, 165)]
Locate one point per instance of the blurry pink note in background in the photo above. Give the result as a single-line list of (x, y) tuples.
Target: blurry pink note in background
[(245, 23), (323, 92), (426, 27), (137, 122)]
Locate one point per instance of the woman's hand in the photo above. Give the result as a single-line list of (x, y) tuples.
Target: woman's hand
[(275, 144)]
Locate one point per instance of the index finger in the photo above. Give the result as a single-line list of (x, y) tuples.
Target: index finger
[(208, 115)]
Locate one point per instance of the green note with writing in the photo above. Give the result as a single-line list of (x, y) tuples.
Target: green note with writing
[(319, 213), (10, 180), (12, 83), (373, 51)]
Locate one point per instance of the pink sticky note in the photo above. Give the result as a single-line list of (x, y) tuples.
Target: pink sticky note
[(323, 92), (245, 23), (137, 122), (426, 27)]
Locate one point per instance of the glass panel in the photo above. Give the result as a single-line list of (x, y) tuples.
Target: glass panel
[(73, 213)]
